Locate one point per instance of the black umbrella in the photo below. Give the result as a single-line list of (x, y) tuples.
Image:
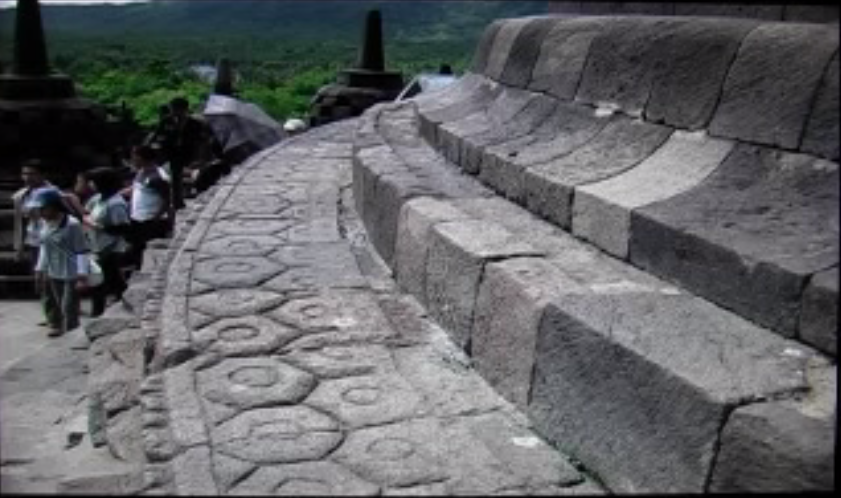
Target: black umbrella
[(238, 124)]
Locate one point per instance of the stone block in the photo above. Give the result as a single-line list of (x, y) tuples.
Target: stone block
[(192, 475), (533, 114), (509, 306), (114, 320), (819, 312), (821, 135), (747, 10), (123, 432), (619, 70), (568, 128), (417, 218), (781, 446), (483, 48), (621, 145), (525, 51), (602, 210), (559, 66), (455, 262), (501, 49), (773, 82), (692, 61), (638, 384), (759, 226)]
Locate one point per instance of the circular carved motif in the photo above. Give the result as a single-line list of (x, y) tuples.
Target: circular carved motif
[(254, 376), (362, 395), (391, 449), (238, 333)]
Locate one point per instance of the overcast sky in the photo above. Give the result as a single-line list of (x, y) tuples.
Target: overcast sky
[(4, 4)]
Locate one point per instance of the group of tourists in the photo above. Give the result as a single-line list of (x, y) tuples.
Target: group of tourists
[(87, 240)]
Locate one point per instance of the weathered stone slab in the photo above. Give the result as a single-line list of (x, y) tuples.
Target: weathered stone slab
[(501, 110), (278, 435), (562, 56), (192, 473), (781, 446), (484, 46), (114, 320), (456, 259), (502, 47), (443, 377), (334, 362), (819, 312), (570, 127), (254, 382), (602, 210), (619, 69), (241, 245), (311, 478), (413, 237), (476, 100), (622, 144), (237, 271), (316, 266), (363, 401), (773, 82), (638, 384), (228, 303), (535, 112), (759, 226), (691, 63), (821, 135), (186, 416), (123, 434), (525, 51), (509, 306)]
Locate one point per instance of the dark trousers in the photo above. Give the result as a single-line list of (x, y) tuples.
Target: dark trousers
[(176, 169), (61, 303), (140, 233), (113, 283)]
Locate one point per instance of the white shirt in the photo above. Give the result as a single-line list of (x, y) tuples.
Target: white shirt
[(63, 253), (146, 202)]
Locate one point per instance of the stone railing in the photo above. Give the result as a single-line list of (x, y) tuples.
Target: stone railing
[(655, 282)]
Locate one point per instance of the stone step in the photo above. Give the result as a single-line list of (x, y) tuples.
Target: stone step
[(668, 389), (666, 200)]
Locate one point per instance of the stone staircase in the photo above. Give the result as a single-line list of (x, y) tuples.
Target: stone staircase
[(630, 224)]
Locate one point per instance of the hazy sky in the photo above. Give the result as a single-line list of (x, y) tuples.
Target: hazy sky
[(5, 4)]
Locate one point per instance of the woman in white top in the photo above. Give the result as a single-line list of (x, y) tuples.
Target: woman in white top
[(106, 224)]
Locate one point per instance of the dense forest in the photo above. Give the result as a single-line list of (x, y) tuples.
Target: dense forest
[(283, 51)]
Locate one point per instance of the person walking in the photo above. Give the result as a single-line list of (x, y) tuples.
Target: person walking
[(107, 224), (62, 267)]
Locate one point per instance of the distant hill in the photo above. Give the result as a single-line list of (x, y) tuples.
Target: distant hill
[(309, 19)]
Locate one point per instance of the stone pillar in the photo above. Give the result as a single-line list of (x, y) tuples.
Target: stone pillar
[(224, 84), (30, 48), (358, 88)]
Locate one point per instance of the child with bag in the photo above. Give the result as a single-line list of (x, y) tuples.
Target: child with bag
[(106, 224), (63, 264)]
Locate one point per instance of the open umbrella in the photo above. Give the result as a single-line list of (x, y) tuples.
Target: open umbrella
[(238, 124)]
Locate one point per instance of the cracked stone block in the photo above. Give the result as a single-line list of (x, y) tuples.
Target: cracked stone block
[(502, 45), (637, 384), (413, 238), (310, 478), (562, 57), (821, 135), (353, 314), (316, 266), (241, 271), (278, 435), (192, 473), (819, 312), (123, 433), (230, 471), (254, 382), (368, 400), (456, 259), (244, 335), (781, 446)]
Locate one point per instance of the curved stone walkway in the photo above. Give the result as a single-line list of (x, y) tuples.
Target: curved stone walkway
[(288, 363)]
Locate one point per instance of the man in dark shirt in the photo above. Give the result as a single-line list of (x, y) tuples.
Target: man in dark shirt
[(180, 135)]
